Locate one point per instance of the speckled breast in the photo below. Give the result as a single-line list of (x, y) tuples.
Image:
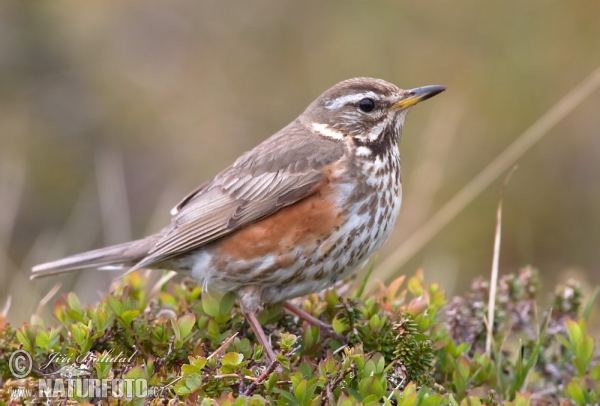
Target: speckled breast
[(308, 246)]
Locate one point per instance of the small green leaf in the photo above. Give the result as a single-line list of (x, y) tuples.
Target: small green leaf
[(210, 304), (232, 358), (283, 360), (226, 303), (272, 381), (584, 351), (129, 315), (23, 338), (464, 367), (304, 392), (190, 369), (198, 362), (339, 326), (470, 401), (181, 389), (193, 381), (136, 373), (371, 386), (432, 400), (595, 373), (79, 334), (42, 340), (115, 304), (574, 331), (186, 324), (576, 393), (74, 302)]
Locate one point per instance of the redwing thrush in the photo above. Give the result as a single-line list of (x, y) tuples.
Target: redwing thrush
[(303, 209)]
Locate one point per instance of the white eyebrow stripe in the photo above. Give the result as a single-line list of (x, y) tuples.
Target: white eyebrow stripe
[(349, 99), (326, 131)]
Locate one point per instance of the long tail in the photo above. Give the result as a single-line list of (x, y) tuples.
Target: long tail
[(126, 254)]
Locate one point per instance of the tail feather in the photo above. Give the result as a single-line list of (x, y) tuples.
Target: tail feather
[(126, 254)]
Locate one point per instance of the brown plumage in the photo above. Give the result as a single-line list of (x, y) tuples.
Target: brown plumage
[(304, 208)]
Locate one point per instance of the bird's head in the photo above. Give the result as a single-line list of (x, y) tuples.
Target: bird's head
[(371, 111)]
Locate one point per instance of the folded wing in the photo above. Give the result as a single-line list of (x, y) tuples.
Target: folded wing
[(281, 171)]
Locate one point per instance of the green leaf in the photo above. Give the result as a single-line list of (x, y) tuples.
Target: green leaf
[(210, 304), (181, 389), (595, 373), (339, 326), (190, 369), (193, 381), (79, 334), (42, 340), (432, 400), (186, 324), (470, 401), (301, 392), (128, 316), (23, 338), (371, 386), (306, 370), (226, 303), (198, 362), (136, 373), (464, 367), (363, 284), (74, 302), (584, 351), (576, 393), (574, 331), (115, 304), (283, 360), (232, 358)]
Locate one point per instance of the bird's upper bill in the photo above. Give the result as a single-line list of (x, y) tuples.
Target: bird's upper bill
[(417, 95)]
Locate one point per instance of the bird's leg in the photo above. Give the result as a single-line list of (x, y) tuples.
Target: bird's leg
[(327, 329), (260, 334), (249, 297)]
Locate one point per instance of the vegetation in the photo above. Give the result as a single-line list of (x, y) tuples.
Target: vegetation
[(403, 344)]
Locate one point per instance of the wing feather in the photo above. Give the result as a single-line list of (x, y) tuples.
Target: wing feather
[(280, 171)]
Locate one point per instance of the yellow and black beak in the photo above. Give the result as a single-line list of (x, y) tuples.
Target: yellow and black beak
[(417, 95)]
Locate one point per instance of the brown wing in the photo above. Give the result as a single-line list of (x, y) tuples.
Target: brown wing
[(280, 171)]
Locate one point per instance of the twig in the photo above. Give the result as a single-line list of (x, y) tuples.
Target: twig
[(159, 284), (336, 382), (261, 378), (222, 347), (495, 261), (490, 173)]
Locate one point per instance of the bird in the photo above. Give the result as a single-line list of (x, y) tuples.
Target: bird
[(305, 208)]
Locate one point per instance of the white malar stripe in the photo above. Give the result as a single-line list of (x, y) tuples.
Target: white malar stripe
[(376, 131), (326, 131), (349, 99), (363, 151)]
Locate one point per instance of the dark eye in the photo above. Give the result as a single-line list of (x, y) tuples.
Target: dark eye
[(366, 105)]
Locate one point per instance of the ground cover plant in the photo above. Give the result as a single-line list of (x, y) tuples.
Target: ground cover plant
[(403, 344)]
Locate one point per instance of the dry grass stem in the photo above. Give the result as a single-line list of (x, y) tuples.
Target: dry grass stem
[(44, 302), (159, 284), (495, 262)]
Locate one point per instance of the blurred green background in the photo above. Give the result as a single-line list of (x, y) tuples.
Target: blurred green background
[(111, 111)]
